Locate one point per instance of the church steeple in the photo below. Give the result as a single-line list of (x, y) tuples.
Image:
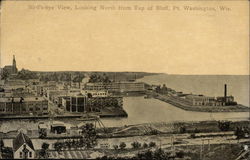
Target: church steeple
[(14, 68), (14, 61)]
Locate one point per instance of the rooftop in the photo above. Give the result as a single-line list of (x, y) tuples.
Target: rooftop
[(17, 99), (20, 140)]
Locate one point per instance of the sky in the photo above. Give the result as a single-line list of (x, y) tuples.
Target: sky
[(174, 41)]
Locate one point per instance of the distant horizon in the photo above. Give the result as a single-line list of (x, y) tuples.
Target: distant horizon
[(142, 72)]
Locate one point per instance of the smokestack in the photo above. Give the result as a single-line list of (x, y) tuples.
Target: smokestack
[(225, 92)]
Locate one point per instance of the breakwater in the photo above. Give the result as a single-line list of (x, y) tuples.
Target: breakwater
[(180, 103)]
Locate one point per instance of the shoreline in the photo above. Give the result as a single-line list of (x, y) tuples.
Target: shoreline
[(117, 113)]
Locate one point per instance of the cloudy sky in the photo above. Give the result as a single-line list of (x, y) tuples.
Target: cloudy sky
[(169, 41)]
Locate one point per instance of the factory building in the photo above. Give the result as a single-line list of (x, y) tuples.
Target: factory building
[(116, 86), (85, 103), (20, 106), (75, 103), (201, 100)]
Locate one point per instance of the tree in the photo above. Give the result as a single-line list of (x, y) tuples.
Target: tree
[(122, 145), (145, 145), (239, 133), (115, 147), (43, 153), (78, 78), (224, 126), (89, 135), (152, 144), (45, 146), (5, 74), (25, 74), (180, 154), (58, 146), (183, 129), (148, 155), (1, 144), (159, 154), (136, 145)]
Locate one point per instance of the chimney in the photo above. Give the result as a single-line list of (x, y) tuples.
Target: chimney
[(225, 92)]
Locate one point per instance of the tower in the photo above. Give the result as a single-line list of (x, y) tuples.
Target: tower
[(225, 93), (14, 68)]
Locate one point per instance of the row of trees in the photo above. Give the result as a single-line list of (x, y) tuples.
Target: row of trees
[(62, 76), (94, 78), (135, 145), (25, 74), (158, 154), (70, 144), (88, 139)]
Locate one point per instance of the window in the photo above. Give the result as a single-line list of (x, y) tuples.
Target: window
[(30, 154), (21, 154)]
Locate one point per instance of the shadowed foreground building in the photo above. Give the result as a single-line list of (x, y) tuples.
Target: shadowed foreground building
[(23, 147)]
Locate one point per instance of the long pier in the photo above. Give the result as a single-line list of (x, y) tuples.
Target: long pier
[(182, 104)]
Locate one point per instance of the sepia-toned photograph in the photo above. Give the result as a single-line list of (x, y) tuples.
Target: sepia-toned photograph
[(124, 79)]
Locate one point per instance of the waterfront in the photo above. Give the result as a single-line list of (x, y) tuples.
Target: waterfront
[(139, 111), (209, 85)]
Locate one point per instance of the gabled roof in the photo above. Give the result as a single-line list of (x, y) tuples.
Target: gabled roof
[(20, 140)]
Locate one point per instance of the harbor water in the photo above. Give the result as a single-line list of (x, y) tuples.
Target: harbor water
[(142, 110)]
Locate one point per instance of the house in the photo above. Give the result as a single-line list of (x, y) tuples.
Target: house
[(23, 147)]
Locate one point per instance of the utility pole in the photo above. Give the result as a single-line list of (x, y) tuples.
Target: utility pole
[(208, 141), (201, 149), (172, 146)]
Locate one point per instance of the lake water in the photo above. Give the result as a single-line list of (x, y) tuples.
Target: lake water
[(210, 85)]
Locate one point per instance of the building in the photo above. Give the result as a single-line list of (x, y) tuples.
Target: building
[(58, 128), (11, 69), (20, 106), (83, 103), (201, 100), (117, 86), (42, 89), (228, 100), (97, 93), (75, 103), (54, 95), (23, 147)]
